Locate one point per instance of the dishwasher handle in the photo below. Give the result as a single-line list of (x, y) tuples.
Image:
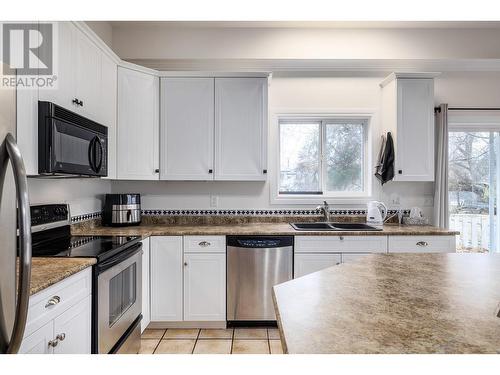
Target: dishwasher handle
[(253, 242)]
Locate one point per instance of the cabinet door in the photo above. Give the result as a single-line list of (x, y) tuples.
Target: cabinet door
[(308, 263), (88, 76), (107, 109), (38, 341), (73, 329), (146, 312), (166, 278), (137, 141), (187, 129), (205, 287), (240, 128), (415, 130), (64, 68)]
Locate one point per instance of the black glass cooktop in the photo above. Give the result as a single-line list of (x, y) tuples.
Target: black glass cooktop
[(59, 243)]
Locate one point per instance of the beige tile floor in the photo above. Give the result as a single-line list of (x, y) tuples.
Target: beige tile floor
[(211, 341)]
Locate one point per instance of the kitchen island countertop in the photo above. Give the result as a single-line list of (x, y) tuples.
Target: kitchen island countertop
[(394, 303)]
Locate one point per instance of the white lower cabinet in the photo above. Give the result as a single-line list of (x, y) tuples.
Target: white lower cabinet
[(422, 244), (308, 263), (315, 253), (38, 342), (166, 278), (204, 287), (72, 329), (352, 257), (59, 318), (188, 278), (146, 300)]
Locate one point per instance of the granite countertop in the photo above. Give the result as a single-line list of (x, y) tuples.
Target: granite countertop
[(251, 229), (394, 303), (48, 271)]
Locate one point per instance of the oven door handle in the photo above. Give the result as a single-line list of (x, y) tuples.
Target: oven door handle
[(124, 255)]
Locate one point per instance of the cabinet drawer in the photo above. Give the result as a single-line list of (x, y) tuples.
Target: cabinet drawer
[(422, 244), (340, 244), (204, 244), (63, 295)]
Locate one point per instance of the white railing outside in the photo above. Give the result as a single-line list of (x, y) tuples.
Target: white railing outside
[(474, 232)]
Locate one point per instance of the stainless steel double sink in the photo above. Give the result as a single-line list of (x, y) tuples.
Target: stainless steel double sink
[(324, 226)]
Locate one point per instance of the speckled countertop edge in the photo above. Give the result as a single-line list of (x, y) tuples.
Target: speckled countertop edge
[(253, 229), (46, 272)]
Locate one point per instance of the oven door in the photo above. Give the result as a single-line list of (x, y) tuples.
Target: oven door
[(119, 301), (76, 150)]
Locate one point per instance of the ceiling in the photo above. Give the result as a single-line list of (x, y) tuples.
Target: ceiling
[(311, 24)]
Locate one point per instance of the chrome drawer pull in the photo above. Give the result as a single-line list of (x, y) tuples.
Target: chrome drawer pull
[(422, 243), (61, 336), (53, 301), (204, 243), (53, 343)]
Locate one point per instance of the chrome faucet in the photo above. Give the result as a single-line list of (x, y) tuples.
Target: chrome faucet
[(325, 209)]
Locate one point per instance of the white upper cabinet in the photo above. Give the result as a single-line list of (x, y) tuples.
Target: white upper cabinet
[(84, 72), (64, 67), (107, 109), (87, 65), (187, 129), (240, 128), (138, 126), (408, 112)]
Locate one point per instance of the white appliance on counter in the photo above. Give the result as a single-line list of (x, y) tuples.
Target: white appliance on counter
[(376, 213)]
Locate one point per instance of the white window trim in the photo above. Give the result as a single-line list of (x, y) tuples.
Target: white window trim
[(339, 198)]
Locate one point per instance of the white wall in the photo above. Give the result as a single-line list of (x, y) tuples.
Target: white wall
[(83, 194), (140, 41), (103, 30)]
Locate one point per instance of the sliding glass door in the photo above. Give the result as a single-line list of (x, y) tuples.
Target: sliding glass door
[(473, 188)]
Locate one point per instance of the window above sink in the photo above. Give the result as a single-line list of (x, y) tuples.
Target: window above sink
[(322, 157)]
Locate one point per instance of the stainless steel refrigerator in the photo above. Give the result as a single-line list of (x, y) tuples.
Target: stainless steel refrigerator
[(14, 208)]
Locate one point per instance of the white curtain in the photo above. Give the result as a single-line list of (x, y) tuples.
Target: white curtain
[(441, 218)]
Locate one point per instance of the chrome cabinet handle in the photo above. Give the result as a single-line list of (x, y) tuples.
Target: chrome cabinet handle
[(61, 336), (53, 301), (53, 343), (24, 223), (204, 243), (422, 243)]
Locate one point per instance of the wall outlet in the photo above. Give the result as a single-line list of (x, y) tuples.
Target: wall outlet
[(214, 201), (428, 201), (395, 199)]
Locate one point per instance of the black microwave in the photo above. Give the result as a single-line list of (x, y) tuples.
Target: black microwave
[(70, 144)]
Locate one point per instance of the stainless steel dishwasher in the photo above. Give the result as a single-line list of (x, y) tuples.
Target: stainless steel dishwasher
[(254, 265)]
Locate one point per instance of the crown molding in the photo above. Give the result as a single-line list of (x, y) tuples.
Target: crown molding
[(334, 66)]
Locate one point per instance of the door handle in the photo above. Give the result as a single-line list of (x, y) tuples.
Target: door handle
[(24, 223)]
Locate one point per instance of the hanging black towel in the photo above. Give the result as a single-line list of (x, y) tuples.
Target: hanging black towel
[(385, 168)]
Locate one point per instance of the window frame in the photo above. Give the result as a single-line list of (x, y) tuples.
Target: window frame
[(365, 117)]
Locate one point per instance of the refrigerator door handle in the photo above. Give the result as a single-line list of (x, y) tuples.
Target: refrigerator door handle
[(24, 222)]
